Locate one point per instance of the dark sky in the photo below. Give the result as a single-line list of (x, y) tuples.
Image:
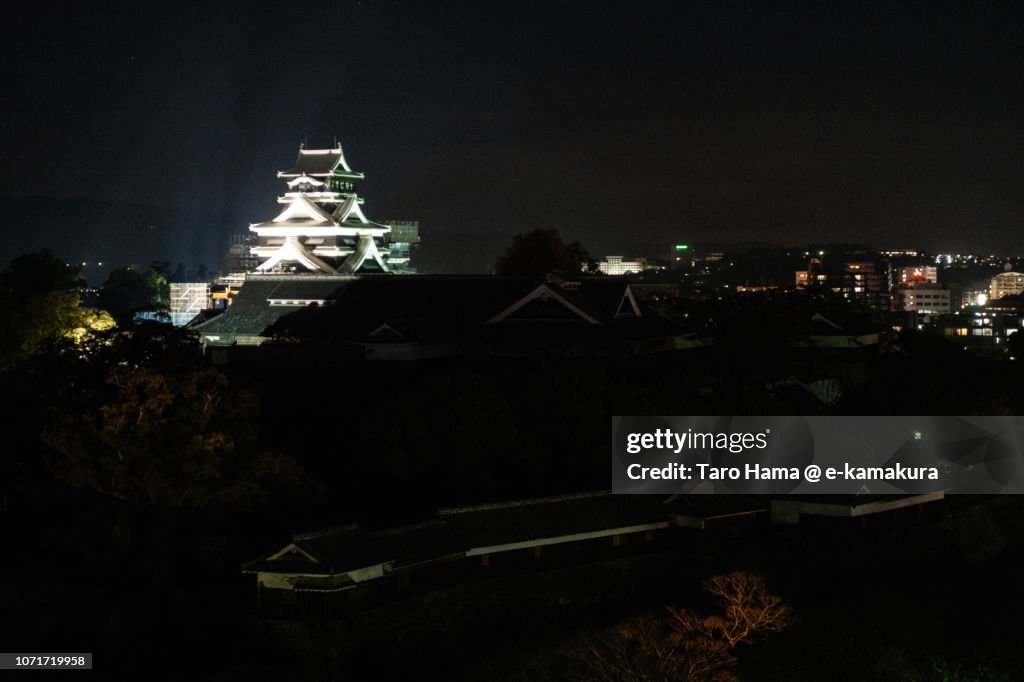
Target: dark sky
[(619, 123)]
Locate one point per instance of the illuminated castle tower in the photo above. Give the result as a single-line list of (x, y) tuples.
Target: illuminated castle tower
[(322, 228)]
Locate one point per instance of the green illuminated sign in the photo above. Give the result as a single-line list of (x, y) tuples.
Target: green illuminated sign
[(682, 247)]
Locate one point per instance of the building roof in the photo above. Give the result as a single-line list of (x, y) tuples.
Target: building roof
[(852, 506), (459, 531), (531, 520), (302, 212), (351, 547), (479, 313), (320, 162), (510, 526), (300, 208), (369, 302), (251, 312), (292, 250), (465, 303), (713, 506)]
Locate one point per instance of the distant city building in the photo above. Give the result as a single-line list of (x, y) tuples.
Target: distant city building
[(812, 275), (985, 330), (616, 265), (900, 253), (1008, 305), (1008, 283), (967, 259), (322, 228), (928, 300), (680, 256), (860, 280), (975, 297), (919, 274), (402, 242), (755, 288)]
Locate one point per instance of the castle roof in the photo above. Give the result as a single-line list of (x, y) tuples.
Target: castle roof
[(302, 212), (320, 163)]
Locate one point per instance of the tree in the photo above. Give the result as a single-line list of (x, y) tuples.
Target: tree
[(641, 649), (685, 645), (39, 272), (750, 610), (179, 438), (38, 305), (91, 321), (157, 346), (542, 251), (128, 291)]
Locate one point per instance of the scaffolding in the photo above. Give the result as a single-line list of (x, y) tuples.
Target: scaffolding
[(188, 299)]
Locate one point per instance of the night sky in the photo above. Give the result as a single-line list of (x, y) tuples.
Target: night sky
[(621, 124)]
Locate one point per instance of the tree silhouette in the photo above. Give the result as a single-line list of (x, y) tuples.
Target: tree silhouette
[(542, 251), (38, 305), (39, 272), (128, 291)]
